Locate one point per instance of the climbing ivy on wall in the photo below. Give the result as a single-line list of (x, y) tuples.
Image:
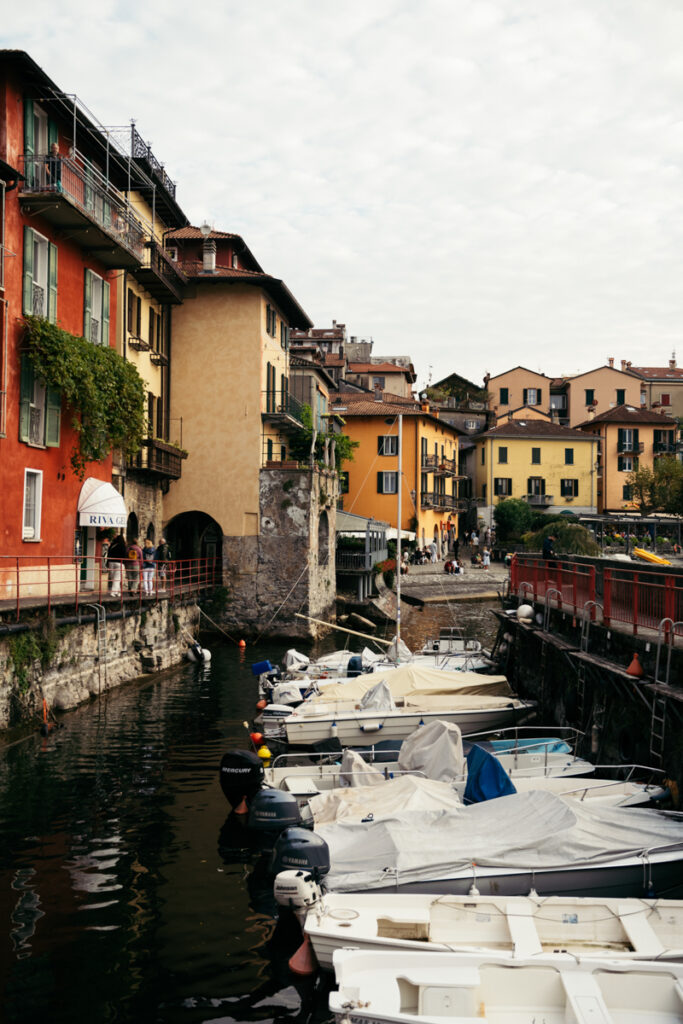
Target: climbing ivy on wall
[(105, 394)]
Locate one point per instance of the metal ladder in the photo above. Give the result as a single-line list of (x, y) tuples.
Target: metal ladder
[(101, 619), (583, 647), (666, 632)]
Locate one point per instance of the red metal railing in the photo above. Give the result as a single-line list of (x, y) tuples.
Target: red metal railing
[(35, 581), (638, 598)]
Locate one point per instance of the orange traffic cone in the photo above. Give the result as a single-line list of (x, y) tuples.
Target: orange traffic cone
[(635, 668), (303, 961)]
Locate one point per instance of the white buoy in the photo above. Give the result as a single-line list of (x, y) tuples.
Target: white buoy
[(525, 612)]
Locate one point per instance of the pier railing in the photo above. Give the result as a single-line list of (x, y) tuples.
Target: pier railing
[(34, 581), (636, 598)]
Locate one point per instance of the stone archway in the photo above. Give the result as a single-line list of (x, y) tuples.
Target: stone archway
[(195, 535), (132, 528)]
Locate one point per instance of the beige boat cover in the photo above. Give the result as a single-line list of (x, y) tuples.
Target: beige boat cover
[(406, 793), (413, 682)]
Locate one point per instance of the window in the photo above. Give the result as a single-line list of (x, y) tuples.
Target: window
[(284, 335), (172, 253), (569, 456), (134, 321), (502, 486), (626, 464), (621, 396), (269, 449), (387, 483), (96, 310), (590, 396), (40, 276), (344, 482), (569, 488), (504, 396), (665, 399), (483, 455), (535, 486), (379, 382), (472, 424), (271, 321), (33, 495), (628, 440), (40, 409), (387, 444), (536, 456), (627, 492), (532, 396), (502, 454)]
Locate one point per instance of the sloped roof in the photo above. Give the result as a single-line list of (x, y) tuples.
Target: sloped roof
[(534, 428), (663, 373), (503, 373), (382, 368), (629, 414), (277, 289), (358, 404)]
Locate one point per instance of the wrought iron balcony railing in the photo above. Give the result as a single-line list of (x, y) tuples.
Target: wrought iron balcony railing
[(435, 499), (159, 458), (635, 447), (70, 193), (436, 464), (278, 405), (160, 275), (539, 499), (663, 447)]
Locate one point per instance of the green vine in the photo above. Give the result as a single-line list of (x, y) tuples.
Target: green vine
[(105, 393), (23, 651)]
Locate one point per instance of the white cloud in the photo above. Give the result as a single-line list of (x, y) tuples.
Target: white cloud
[(472, 183)]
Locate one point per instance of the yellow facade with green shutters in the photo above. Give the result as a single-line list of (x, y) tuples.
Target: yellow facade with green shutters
[(550, 467)]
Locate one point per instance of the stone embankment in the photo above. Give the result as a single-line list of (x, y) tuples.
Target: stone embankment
[(429, 584)]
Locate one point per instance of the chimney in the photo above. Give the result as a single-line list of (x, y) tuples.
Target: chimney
[(379, 395), (610, 362), (209, 256), (623, 364), (672, 361), (425, 406)]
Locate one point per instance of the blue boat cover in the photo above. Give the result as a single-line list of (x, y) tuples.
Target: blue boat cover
[(486, 777), (259, 667), (551, 744)]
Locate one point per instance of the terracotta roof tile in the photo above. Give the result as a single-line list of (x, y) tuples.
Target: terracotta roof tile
[(659, 372), (192, 232), (533, 428), (629, 414)]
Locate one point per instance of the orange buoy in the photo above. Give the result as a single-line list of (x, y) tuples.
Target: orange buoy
[(635, 668), (261, 704), (256, 738), (242, 643), (304, 961)]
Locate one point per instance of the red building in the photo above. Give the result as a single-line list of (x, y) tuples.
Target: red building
[(67, 233)]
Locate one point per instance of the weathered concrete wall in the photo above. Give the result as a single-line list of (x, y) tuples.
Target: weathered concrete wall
[(290, 566), (146, 641)]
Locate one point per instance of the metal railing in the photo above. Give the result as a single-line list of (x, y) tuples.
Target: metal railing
[(636, 598), (356, 561), (160, 458), (435, 499), (539, 499), (664, 446), (278, 403), (142, 151), (436, 464), (85, 188), (159, 262), (34, 581), (630, 447)]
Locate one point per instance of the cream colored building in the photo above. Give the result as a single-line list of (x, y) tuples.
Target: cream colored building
[(517, 389)]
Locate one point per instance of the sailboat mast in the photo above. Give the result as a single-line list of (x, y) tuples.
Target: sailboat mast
[(398, 532)]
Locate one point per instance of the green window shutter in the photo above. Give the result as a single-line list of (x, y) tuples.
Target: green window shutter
[(620, 463), (52, 133), (525, 396), (380, 483), (25, 396), (87, 303), (29, 142), (28, 271), (53, 416), (52, 284), (539, 398), (105, 314)]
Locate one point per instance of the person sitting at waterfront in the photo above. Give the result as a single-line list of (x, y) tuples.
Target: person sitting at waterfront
[(449, 567)]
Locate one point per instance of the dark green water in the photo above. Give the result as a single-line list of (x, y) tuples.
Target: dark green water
[(122, 898)]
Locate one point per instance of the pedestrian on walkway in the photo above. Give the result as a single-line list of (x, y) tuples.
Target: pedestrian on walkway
[(148, 553), (134, 565), (118, 553), (486, 559)]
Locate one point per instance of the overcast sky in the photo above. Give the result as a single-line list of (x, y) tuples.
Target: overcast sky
[(476, 184)]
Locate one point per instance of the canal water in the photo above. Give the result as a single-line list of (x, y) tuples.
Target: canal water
[(124, 895)]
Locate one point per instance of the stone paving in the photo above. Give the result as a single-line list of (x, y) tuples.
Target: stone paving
[(429, 583)]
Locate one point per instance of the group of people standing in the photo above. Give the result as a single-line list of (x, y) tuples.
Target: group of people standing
[(139, 564)]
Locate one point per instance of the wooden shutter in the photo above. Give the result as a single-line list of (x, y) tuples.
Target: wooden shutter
[(539, 396), (380, 483), (28, 271), (620, 436), (620, 463), (636, 439), (380, 445), (105, 314), (525, 393), (25, 398), (87, 303), (129, 320), (52, 134), (53, 416), (52, 283)]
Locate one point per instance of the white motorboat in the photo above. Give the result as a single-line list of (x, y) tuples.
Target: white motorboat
[(510, 846), (423, 988), (394, 704), (517, 927)]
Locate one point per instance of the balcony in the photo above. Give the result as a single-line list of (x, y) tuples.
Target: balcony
[(163, 279), (435, 464), (539, 500), (282, 409), (436, 500), (158, 459), (664, 447), (78, 201), (633, 447)]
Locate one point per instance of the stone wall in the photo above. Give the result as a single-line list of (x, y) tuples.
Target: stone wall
[(290, 566), (145, 500), (145, 641)]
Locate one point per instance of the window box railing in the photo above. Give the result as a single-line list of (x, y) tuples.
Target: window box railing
[(630, 446), (539, 499), (662, 447), (139, 344), (70, 182), (158, 358), (437, 464)]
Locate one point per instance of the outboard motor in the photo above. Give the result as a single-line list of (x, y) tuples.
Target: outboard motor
[(241, 776), (297, 890), (272, 811), (355, 666), (300, 850)]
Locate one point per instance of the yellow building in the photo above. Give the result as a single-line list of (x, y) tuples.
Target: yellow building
[(549, 466), (628, 438), (429, 470)]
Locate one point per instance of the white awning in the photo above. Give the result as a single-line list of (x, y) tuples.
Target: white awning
[(100, 504)]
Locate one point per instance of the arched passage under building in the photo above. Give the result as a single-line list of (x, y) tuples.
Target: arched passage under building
[(196, 535)]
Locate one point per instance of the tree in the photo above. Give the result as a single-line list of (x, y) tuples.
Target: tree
[(300, 443), (513, 517), (570, 539), (658, 489)]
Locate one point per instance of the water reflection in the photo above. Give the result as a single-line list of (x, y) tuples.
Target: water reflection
[(125, 895)]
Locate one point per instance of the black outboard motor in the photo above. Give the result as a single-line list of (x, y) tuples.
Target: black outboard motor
[(355, 666), (241, 776), (272, 811), (298, 849)]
